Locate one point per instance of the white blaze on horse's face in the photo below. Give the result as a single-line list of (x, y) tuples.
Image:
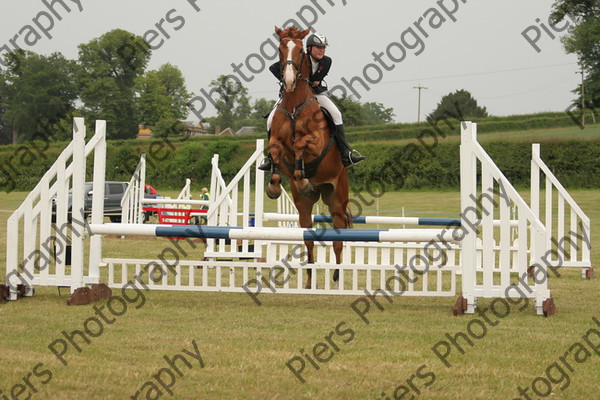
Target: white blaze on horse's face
[(289, 77)]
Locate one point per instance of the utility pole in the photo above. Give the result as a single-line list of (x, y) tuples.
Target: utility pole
[(582, 97), (419, 106)]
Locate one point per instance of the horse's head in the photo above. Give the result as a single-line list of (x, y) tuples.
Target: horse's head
[(291, 53)]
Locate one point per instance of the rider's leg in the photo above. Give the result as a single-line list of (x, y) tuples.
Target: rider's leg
[(268, 161), (347, 153)]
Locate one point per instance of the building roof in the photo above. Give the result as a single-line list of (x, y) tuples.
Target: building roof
[(245, 130), (227, 131)]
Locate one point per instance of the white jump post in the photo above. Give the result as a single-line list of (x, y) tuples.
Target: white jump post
[(571, 222), (78, 202), (98, 200), (131, 203), (46, 246), (185, 193), (224, 207), (497, 270)]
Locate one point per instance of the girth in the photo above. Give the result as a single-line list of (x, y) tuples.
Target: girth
[(310, 169)]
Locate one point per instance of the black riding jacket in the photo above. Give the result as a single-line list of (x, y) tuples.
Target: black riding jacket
[(324, 64)]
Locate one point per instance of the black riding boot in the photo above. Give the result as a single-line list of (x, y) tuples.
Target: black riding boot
[(348, 158), (268, 161)]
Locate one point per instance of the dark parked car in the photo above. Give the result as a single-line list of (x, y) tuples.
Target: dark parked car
[(113, 194)]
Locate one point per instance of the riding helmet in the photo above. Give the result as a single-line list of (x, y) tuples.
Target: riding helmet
[(316, 39)]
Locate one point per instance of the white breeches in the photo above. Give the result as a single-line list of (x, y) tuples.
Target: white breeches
[(324, 101)]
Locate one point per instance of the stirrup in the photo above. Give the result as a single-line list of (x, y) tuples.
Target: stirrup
[(266, 165), (352, 159)]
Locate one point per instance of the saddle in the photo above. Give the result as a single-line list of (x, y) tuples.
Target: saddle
[(329, 120)]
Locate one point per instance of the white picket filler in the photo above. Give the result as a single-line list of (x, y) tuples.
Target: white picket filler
[(42, 258), (565, 221), (401, 267), (495, 277)]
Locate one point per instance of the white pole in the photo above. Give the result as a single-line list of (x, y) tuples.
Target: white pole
[(467, 196)]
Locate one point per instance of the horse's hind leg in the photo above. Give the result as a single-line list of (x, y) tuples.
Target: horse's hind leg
[(311, 260), (337, 203)]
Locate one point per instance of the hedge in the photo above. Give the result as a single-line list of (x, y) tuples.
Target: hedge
[(171, 161)]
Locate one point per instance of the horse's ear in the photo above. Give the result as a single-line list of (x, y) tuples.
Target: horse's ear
[(278, 31), (304, 33)]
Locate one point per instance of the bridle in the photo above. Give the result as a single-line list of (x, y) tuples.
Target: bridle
[(292, 62)]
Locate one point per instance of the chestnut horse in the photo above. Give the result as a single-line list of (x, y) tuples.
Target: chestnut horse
[(301, 140)]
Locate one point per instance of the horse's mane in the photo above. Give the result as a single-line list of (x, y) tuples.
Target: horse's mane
[(292, 32)]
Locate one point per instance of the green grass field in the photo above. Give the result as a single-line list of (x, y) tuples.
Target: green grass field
[(244, 348)]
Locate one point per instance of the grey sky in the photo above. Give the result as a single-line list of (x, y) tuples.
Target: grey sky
[(483, 51)]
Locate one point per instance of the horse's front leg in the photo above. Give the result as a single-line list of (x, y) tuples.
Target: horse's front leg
[(274, 188), (303, 185)]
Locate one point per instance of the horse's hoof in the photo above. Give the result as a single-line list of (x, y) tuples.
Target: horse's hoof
[(273, 195), (336, 285), (305, 187)]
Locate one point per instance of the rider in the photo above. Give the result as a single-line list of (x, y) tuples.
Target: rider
[(320, 65)]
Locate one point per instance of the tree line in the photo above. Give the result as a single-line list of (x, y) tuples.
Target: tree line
[(40, 95)]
